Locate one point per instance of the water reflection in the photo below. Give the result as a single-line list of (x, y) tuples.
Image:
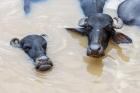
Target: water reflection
[(95, 65)]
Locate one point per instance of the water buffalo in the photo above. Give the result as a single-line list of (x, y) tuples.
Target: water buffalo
[(129, 12), (98, 27), (27, 5), (35, 46)]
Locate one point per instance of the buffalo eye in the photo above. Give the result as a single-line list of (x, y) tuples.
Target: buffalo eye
[(44, 46), (88, 28), (27, 48), (108, 27)]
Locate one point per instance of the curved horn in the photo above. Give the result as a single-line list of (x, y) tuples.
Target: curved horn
[(117, 23), (15, 42), (83, 22)]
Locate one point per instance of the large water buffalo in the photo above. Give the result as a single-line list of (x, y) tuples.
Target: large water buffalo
[(129, 12), (35, 46), (98, 27)]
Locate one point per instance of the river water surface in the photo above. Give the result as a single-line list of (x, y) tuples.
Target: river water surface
[(73, 72)]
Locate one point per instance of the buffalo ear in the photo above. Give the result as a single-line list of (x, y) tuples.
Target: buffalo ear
[(15, 42), (78, 30), (44, 36), (121, 38)]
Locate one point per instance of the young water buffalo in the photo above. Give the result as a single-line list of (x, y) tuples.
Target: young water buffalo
[(98, 27), (35, 46), (129, 12), (27, 5)]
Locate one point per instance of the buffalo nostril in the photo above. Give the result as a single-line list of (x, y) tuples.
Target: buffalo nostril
[(89, 52), (99, 49)]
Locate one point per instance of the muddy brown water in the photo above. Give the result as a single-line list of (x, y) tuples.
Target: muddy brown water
[(73, 72)]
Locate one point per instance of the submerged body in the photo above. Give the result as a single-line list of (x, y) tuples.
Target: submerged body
[(35, 46), (129, 12), (98, 27)]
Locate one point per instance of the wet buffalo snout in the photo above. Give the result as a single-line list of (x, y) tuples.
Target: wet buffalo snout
[(43, 63), (95, 50)]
